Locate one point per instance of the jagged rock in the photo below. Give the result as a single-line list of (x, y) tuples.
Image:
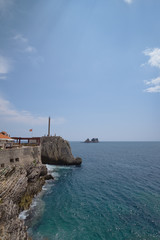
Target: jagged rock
[(18, 187), (43, 170), (49, 177), (56, 150), (78, 160), (11, 227)]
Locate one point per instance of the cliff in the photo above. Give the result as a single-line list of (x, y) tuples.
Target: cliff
[(56, 150), (18, 187)]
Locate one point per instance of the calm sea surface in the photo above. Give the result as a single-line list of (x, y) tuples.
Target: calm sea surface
[(114, 195)]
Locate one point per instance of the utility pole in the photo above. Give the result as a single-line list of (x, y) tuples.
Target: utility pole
[(49, 121)]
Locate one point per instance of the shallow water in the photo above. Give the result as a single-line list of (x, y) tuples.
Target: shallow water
[(115, 194)]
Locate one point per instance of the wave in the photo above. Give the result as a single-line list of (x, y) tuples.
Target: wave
[(23, 215), (53, 167)]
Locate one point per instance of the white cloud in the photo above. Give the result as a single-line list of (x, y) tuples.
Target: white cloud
[(20, 38), (154, 55), (128, 1), (154, 61), (5, 65), (30, 49), (24, 43), (153, 85), (8, 112)]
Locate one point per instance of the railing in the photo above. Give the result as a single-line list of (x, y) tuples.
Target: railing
[(30, 141)]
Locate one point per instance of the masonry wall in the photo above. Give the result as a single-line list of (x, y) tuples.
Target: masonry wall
[(21, 156)]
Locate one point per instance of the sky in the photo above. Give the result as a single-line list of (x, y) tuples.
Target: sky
[(93, 66)]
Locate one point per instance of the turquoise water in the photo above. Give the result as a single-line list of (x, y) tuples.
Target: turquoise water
[(114, 195)]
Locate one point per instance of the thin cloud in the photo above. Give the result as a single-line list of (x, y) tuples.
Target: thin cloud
[(129, 1), (9, 113), (154, 56), (5, 65), (26, 47), (24, 43), (153, 85), (5, 4), (30, 49), (154, 61), (20, 37)]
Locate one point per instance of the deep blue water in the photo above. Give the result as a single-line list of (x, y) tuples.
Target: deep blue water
[(114, 195)]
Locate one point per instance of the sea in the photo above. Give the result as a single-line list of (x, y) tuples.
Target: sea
[(114, 195)]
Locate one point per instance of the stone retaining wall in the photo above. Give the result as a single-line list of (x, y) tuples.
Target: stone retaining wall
[(20, 156)]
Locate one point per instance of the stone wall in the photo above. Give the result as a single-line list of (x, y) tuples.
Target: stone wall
[(20, 156)]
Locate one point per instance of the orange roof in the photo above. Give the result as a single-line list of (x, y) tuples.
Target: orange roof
[(4, 133), (2, 136)]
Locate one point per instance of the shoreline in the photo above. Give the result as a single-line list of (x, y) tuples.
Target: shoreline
[(21, 181), (28, 182)]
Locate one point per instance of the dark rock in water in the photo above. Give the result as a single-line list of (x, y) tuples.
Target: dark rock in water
[(93, 140), (78, 160), (56, 150), (48, 177)]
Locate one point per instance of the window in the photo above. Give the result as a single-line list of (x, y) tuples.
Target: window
[(17, 159), (2, 165), (11, 160)]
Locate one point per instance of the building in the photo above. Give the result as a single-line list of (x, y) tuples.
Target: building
[(17, 154), (5, 140)]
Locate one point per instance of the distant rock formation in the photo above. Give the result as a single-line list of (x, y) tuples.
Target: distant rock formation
[(56, 150), (93, 140)]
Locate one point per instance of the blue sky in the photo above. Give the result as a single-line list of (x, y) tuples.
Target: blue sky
[(92, 65)]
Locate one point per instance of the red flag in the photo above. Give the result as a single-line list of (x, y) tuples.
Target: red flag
[(30, 130)]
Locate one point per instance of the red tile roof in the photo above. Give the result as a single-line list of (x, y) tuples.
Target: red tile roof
[(2, 136), (4, 133)]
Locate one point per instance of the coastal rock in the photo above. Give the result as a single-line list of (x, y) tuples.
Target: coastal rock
[(56, 150), (78, 160), (49, 177), (18, 187), (11, 227), (93, 140)]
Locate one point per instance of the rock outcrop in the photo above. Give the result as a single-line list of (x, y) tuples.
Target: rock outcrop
[(56, 150), (93, 140), (18, 186)]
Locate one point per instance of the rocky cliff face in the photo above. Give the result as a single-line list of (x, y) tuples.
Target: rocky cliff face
[(56, 150), (18, 186)]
